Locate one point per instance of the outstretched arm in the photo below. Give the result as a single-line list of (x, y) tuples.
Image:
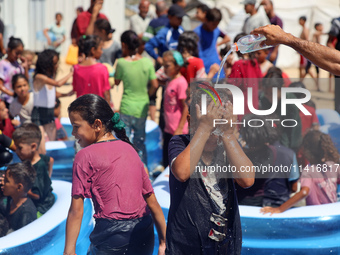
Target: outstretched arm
[(73, 223), (158, 218), (322, 56), (288, 204)]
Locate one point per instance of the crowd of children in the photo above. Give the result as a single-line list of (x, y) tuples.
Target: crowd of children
[(127, 207)]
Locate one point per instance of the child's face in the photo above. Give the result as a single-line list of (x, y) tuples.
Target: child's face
[(25, 151), (174, 21), (3, 111), (100, 33), (261, 56), (170, 68), (319, 28), (29, 59), (96, 53), (21, 88), (248, 8), (302, 22), (211, 25), (200, 15), (82, 130), (58, 18), (10, 187), (15, 54)]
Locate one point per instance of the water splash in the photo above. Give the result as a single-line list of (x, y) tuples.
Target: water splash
[(222, 64)]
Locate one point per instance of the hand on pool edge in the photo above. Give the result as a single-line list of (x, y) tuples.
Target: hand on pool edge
[(271, 210)]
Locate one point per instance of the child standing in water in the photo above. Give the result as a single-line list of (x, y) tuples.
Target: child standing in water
[(109, 171), (44, 85), (10, 66), (89, 76), (319, 179), (135, 72)]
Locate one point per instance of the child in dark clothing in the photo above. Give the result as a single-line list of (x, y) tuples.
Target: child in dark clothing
[(16, 206), (27, 139)]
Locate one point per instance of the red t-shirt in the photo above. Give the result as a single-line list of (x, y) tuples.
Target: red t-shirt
[(246, 74), (83, 21), (307, 121), (195, 69), (92, 79), (7, 127), (112, 174)]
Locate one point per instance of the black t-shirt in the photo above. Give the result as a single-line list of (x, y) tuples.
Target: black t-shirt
[(24, 215), (42, 185), (189, 218)]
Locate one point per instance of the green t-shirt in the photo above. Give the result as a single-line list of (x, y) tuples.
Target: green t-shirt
[(42, 185), (135, 76)]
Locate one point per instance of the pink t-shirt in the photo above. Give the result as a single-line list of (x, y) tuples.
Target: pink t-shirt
[(92, 79), (174, 92), (322, 186), (112, 174)]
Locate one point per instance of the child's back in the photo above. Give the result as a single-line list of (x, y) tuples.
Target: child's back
[(322, 185), (135, 76), (91, 79), (42, 185)]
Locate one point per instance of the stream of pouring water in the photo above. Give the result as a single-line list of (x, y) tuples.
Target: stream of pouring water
[(222, 64)]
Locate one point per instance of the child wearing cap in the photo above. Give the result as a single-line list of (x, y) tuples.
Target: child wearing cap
[(167, 38), (175, 108)]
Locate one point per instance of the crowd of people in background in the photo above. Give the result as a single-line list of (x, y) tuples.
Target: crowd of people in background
[(160, 52)]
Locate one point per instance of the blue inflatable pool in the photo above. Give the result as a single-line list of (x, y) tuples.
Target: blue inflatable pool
[(46, 235), (302, 230)]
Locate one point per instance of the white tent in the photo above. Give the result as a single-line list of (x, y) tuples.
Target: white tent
[(289, 11), (24, 18)]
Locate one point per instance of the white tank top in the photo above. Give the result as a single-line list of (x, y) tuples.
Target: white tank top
[(45, 97)]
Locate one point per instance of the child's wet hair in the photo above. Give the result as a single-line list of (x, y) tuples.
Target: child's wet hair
[(188, 41), (91, 107), (27, 133), (45, 63), (319, 147), (103, 24), (14, 43), (131, 40), (23, 173), (87, 42)]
